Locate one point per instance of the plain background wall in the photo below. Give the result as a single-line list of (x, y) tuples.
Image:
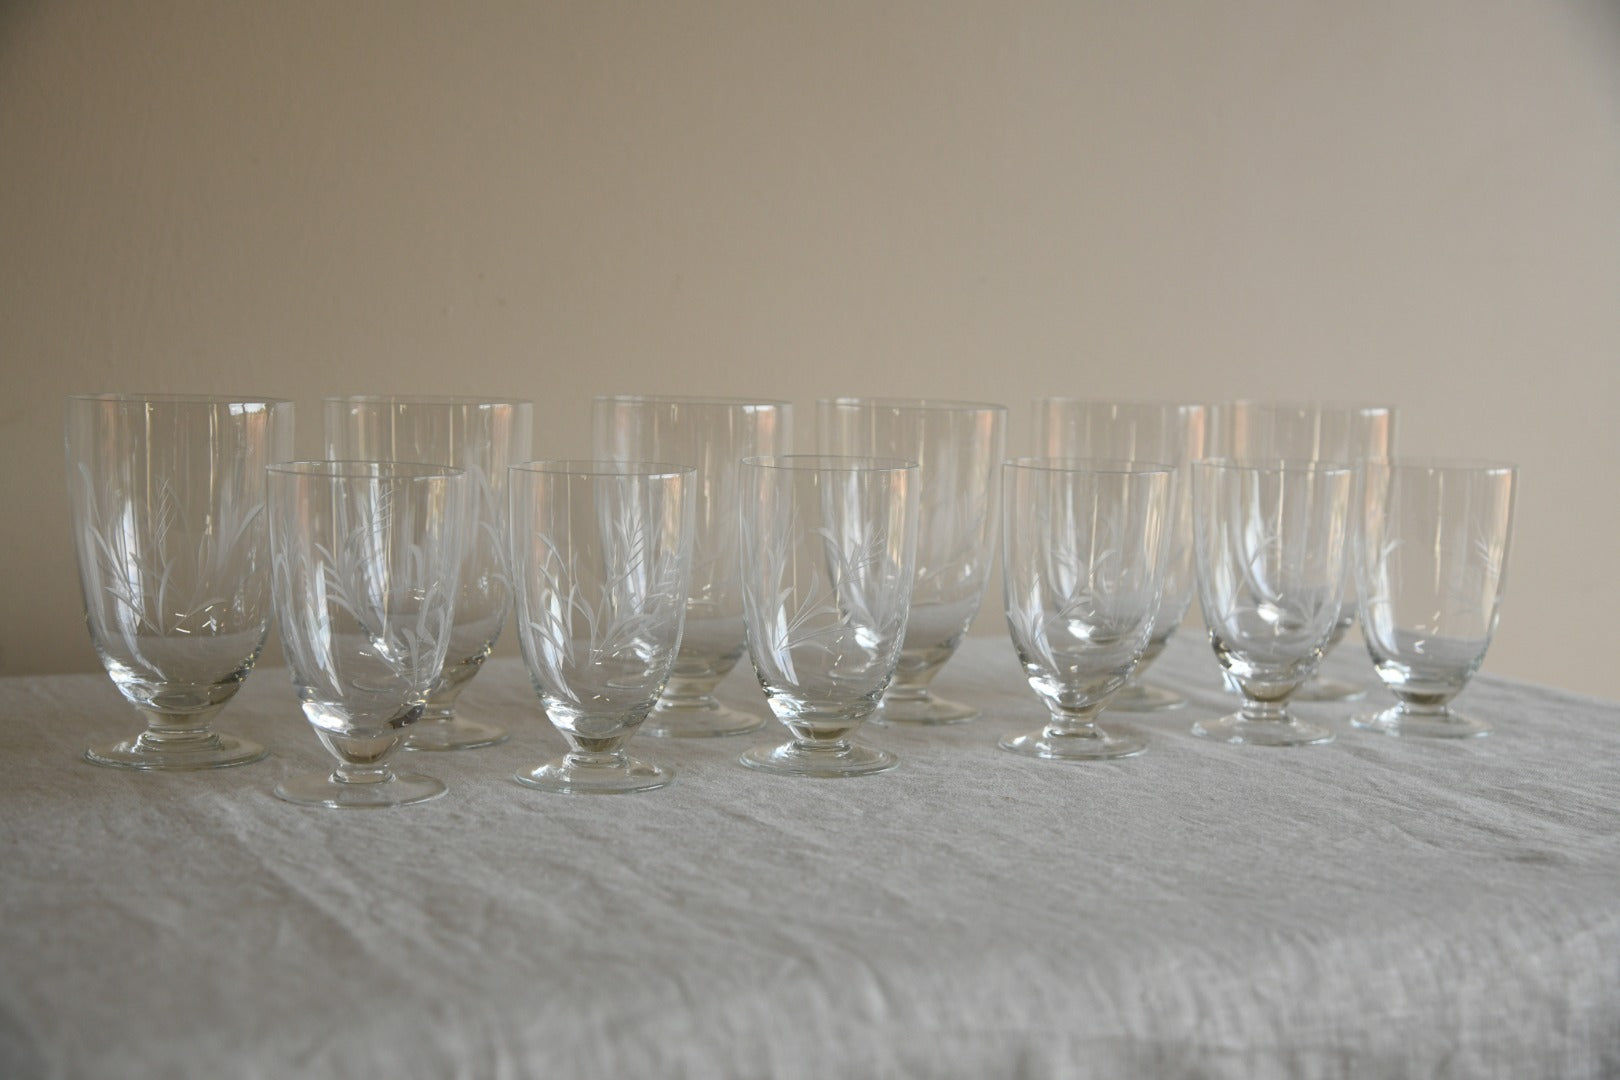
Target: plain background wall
[(1415, 202)]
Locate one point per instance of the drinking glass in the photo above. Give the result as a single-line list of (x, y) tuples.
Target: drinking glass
[(712, 435), (1310, 431), (601, 554), (1271, 542), (482, 436), (958, 448), (828, 550), (1431, 561), (167, 494), (366, 557), (1163, 433), (1084, 550)]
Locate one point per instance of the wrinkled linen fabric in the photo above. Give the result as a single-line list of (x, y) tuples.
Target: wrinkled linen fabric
[(1374, 907)]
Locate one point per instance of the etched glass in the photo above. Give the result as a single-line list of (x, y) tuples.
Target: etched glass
[(481, 436), (1431, 563), (958, 447), (1167, 434), (1338, 434), (367, 557), (1271, 544), (1084, 550), (712, 435), (828, 549), (601, 554), (167, 495)]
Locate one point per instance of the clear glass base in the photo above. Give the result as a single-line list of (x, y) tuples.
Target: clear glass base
[(576, 774), (453, 733), (1145, 697), (1440, 725), (922, 708), (807, 759), (698, 718), (325, 789), (1287, 731), (1092, 745), (209, 751), (1318, 688)]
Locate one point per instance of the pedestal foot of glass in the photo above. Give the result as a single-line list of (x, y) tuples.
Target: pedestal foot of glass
[(1437, 725), (799, 758), (1318, 688), (370, 791), (1093, 744), (453, 733), (211, 750), (922, 707), (1237, 728), (596, 774), (1145, 697), (699, 718)]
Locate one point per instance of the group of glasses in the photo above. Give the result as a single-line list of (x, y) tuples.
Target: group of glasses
[(639, 578)]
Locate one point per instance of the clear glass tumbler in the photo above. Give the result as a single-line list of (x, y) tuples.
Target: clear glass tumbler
[(1165, 433), (482, 436), (1344, 434), (1084, 550), (367, 557), (602, 555), (168, 524), (1431, 562), (712, 435), (828, 545), (958, 447), (1271, 543)]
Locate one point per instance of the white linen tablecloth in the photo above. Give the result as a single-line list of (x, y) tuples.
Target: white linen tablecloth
[(1373, 907)]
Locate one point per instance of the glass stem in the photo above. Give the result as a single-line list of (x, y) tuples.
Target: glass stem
[(349, 773), (1265, 712), (188, 732), (1074, 724), (587, 759)]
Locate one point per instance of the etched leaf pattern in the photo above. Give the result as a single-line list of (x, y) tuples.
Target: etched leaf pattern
[(159, 584), (399, 598), (827, 612), (581, 624), (1080, 593)]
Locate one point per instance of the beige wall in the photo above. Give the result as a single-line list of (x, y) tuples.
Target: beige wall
[(1414, 201)]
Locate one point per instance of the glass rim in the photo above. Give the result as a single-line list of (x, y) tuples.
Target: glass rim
[(652, 470), (1439, 464), (427, 399), (112, 398), (1318, 404), (1104, 466), (1129, 403), (694, 399), (354, 469), (905, 404), (1275, 464), (851, 463)]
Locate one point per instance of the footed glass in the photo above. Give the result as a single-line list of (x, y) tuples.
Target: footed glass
[(366, 558), (168, 497), (1431, 563), (1163, 433), (1084, 549), (958, 448), (481, 436), (1309, 431), (828, 545), (712, 435), (1271, 542), (602, 556)]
